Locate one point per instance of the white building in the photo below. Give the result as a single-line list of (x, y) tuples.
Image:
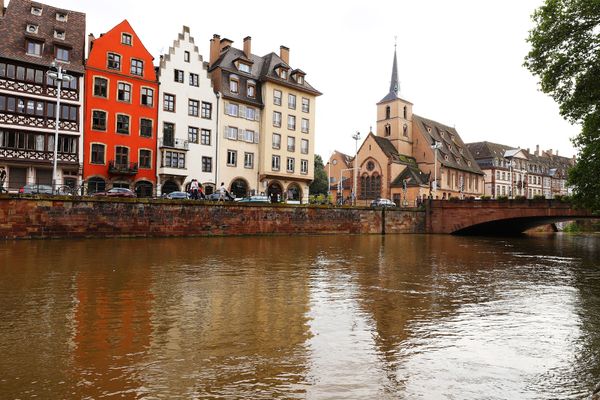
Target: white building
[(187, 119)]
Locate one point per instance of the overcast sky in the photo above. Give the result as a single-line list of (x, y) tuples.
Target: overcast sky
[(460, 61)]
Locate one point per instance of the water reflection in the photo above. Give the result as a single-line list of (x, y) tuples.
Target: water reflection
[(301, 317)]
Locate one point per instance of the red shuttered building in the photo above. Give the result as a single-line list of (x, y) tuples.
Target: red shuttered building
[(121, 115)]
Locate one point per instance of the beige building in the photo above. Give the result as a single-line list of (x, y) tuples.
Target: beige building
[(266, 122)]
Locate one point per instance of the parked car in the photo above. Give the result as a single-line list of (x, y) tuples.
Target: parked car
[(255, 199), (178, 195), (36, 189), (215, 197), (383, 203), (116, 192)]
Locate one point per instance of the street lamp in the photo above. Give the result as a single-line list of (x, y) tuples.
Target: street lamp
[(510, 176), (340, 186), (356, 137), (59, 76), (435, 146)]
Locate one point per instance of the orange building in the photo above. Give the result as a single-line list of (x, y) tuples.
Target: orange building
[(121, 114)]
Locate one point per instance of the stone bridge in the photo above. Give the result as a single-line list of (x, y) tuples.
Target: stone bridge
[(479, 217)]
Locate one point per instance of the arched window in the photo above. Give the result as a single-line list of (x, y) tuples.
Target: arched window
[(388, 130), (239, 188), (144, 189), (370, 186), (169, 186), (405, 113), (96, 185), (387, 112)]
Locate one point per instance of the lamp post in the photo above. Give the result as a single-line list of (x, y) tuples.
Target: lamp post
[(356, 137), (340, 183), (435, 146), (510, 176), (59, 76)]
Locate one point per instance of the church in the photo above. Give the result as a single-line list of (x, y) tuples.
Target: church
[(404, 159)]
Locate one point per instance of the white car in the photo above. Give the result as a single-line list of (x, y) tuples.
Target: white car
[(383, 203)]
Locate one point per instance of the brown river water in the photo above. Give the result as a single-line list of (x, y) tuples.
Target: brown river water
[(316, 317)]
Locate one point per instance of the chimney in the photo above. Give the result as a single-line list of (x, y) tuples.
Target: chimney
[(214, 48), (224, 43), (557, 152), (537, 150), (247, 46), (284, 54), (90, 42), (528, 150), (549, 152)]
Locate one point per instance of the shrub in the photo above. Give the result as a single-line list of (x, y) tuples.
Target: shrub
[(539, 197), (502, 198), (485, 198), (454, 199), (520, 198)]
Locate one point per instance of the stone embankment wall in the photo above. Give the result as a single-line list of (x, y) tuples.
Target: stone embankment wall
[(63, 217)]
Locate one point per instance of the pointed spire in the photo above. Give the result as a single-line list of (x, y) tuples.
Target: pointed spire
[(395, 84)]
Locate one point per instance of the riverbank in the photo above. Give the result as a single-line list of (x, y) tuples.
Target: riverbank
[(41, 217)]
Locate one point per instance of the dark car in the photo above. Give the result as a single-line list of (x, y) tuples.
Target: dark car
[(178, 195), (36, 189), (116, 192), (383, 203), (215, 197)]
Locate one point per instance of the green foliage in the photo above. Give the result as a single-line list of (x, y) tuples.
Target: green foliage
[(565, 55), (539, 197), (520, 198), (502, 198), (319, 185), (485, 198)]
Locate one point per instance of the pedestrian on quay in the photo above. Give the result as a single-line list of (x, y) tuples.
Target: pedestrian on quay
[(2, 180), (222, 192), (194, 189), (201, 191)]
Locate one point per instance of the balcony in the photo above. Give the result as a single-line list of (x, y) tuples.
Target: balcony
[(172, 143), (116, 168)]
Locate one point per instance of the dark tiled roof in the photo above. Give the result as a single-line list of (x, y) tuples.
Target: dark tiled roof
[(271, 61), (12, 33), (414, 176), (484, 150), (345, 157), (459, 156), (390, 151)]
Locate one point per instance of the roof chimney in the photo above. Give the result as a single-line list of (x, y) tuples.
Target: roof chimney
[(284, 54), (214, 48), (247, 46), (537, 150), (224, 43), (557, 152), (90, 42), (528, 150)]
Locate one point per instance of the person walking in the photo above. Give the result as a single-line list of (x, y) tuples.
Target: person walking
[(194, 189), (201, 191), (2, 180), (222, 192)]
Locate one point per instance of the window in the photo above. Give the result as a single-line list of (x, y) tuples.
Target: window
[(123, 124), (251, 90), (231, 158), (193, 107), (290, 164), (137, 67), (59, 34), (291, 143), (304, 166), (276, 141), (275, 163), (36, 11), (292, 101), (126, 39), (114, 61), (98, 120), (100, 87), (250, 113), (168, 133), (34, 48), (192, 134), (231, 132), (32, 28), (194, 79), (147, 97), (174, 159), (122, 156), (145, 159), (304, 146), (292, 122), (233, 109), (97, 154), (206, 164), (178, 76), (145, 127), (405, 131), (277, 97), (276, 119), (304, 125), (305, 104), (248, 160), (169, 102), (61, 16), (186, 56), (205, 137), (124, 92), (233, 85), (206, 110), (283, 73), (244, 67), (249, 136)]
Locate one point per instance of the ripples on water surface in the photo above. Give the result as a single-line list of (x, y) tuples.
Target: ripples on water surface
[(433, 317)]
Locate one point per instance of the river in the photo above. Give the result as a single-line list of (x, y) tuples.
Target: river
[(317, 317)]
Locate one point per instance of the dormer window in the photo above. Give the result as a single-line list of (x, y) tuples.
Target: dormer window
[(469, 163), (59, 34), (32, 28), (61, 17), (446, 157), (61, 54), (234, 84), (244, 68), (283, 73), (428, 129), (251, 89), (126, 39), (36, 11), (442, 134)]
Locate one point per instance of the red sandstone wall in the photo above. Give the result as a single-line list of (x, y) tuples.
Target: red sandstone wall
[(25, 218)]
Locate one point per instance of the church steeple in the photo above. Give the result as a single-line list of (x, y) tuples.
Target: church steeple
[(394, 83)]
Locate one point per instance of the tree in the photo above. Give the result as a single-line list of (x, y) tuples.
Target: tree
[(565, 55), (319, 184)]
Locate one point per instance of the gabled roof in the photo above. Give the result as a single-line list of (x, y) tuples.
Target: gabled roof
[(454, 153), (12, 34), (390, 151), (345, 158), (164, 59), (413, 176), (485, 150), (271, 61)]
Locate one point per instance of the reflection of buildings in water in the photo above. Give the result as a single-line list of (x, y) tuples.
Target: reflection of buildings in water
[(222, 324)]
